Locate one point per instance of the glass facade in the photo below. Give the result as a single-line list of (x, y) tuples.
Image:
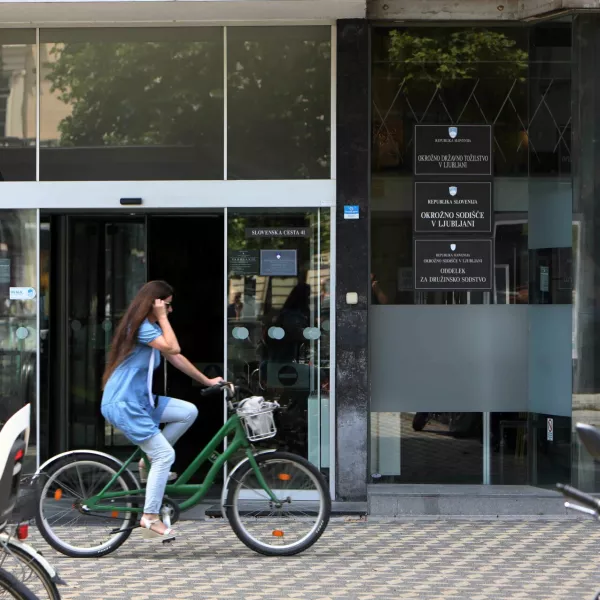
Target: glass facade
[(18, 105), (133, 104), (156, 104), (278, 320), (18, 322), (278, 102), (464, 382), (182, 105)]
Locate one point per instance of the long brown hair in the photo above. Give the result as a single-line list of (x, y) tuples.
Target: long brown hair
[(126, 333)]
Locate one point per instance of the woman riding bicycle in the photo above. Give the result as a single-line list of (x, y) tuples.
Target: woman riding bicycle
[(128, 403)]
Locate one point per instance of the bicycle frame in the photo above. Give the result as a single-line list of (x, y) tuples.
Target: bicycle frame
[(181, 488)]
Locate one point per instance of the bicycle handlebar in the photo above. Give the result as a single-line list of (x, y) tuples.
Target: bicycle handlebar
[(579, 496), (214, 388)]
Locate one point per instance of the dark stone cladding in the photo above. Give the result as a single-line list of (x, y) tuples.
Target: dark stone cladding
[(352, 263), (585, 153)]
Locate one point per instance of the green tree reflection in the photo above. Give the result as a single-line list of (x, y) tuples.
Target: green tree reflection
[(171, 93), (442, 57), (137, 93)]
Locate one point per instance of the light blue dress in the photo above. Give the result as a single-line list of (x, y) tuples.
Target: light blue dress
[(127, 403)]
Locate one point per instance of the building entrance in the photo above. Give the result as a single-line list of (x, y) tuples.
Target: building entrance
[(91, 267)]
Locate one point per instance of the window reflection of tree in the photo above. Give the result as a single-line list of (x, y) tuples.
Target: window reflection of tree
[(170, 93), (450, 76)]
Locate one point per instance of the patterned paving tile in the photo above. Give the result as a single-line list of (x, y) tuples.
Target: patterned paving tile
[(475, 560)]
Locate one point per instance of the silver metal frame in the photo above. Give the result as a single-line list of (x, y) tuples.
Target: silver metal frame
[(168, 195), (225, 327), (487, 453), (37, 341), (225, 133), (332, 357)]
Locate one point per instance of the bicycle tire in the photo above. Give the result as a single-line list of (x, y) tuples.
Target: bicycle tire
[(127, 481), (235, 521), (32, 563), (17, 590)]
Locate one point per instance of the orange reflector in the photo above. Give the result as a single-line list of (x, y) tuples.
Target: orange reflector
[(58, 494), (114, 514), (284, 476), (19, 455), (277, 533)]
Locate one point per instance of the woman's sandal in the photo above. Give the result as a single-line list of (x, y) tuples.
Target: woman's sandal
[(144, 474), (148, 533)]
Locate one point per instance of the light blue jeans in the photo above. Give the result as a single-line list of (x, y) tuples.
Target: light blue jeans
[(178, 416)]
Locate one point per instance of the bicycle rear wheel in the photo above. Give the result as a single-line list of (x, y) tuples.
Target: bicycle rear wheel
[(61, 517), (11, 587), (27, 570), (301, 516)]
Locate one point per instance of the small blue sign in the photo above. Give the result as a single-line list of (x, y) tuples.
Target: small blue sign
[(350, 212)]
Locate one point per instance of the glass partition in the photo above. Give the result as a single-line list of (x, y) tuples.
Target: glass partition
[(18, 318), (278, 321), (463, 374), (131, 104), (18, 105), (278, 102)]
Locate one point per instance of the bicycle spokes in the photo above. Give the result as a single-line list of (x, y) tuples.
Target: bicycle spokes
[(64, 509), (295, 515)]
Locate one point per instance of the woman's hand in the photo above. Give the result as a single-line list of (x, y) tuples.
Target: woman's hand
[(215, 380), (160, 309)]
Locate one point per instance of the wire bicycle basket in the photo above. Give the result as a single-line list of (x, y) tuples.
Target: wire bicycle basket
[(256, 415)]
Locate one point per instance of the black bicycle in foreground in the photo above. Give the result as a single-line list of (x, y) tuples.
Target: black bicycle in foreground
[(576, 499)]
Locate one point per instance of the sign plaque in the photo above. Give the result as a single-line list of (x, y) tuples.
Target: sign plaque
[(453, 265), (453, 150), (453, 207)]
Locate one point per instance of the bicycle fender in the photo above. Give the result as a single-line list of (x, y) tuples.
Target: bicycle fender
[(35, 556), (52, 460), (226, 486)]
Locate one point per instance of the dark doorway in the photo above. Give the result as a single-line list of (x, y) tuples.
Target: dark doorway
[(187, 252), (93, 266)]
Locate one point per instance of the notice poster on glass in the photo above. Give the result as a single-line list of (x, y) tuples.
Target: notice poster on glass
[(4, 270), (243, 263), (278, 263)]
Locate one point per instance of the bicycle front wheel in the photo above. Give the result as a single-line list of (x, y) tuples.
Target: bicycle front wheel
[(289, 526), (11, 587), (28, 571)]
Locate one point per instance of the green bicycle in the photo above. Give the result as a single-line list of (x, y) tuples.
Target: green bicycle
[(277, 503)]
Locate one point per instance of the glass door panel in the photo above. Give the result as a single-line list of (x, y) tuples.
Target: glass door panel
[(107, 266), (278, 321), (18, 318)]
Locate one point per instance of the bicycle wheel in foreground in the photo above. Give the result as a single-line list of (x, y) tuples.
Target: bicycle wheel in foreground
[(27, 570), (11, 587), (64, 489), (282, 530)]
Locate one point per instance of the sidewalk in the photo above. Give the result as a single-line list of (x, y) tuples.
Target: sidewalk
[(474, 560)]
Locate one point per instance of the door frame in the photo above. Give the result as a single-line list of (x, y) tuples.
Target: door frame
[(176, 197)]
